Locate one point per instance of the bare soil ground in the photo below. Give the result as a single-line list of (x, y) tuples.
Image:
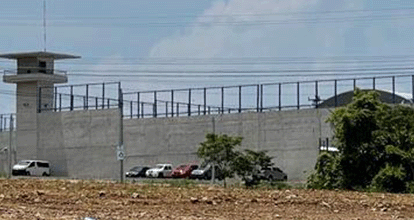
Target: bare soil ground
[(74, 199)]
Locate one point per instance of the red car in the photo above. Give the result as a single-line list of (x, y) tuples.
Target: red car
[(184, 170)]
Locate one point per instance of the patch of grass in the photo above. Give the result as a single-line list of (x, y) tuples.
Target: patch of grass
[(185, 183), (3, 175)]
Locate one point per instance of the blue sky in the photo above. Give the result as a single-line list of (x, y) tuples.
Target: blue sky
[(128, 35)]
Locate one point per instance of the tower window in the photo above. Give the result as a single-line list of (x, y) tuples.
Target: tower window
[(42, 66)]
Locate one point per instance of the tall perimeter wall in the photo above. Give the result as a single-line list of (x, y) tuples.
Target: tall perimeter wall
[(4, 145), (82, 144), (291, 137)]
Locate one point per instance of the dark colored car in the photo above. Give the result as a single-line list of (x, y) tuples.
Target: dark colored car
[(205, 172), (137, 171), (272, 174), (184, 170)]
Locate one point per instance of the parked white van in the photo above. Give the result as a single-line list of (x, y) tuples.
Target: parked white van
[(32, 168)]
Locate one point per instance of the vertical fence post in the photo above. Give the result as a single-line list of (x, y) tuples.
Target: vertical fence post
[(131, 108), (103, 95), (412, 89), (55, 105), (138, 105), (166, 109), (199, 109), (142, 110), (222, 100), (257, 97), (71, 98), (40, 100), (205, 100), (87, 97), (298, 94), (172, 103), (189, 102), (280, 96), (155, 105), (96, 102), (373, 83), (60, 102), (336, 92), (209, 110), (354, 84), (1, 122), (84, 102), (240, 99), (178, 109), (316, 95), (261, 98), (393, 89)]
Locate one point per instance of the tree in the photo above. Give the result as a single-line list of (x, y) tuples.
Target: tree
[(220, 151), (249, 163), (375, 147)]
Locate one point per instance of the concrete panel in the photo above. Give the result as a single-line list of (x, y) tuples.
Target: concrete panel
[(4, 145), (80, 144)]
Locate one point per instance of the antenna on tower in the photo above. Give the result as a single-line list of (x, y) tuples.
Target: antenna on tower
[(44, 24)]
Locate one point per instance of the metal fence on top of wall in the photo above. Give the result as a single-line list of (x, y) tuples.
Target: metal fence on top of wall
[(255, 97), (219, 100), (80, 97), (7, 121)]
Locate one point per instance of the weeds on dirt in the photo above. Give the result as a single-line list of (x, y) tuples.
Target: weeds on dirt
[(181, 183)]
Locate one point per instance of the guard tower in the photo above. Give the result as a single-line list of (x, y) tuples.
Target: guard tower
[(34, 70)]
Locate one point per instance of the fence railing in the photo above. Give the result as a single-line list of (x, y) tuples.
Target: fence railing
[(7, 121), (36, 69), (79, 97), (255, 97), (217, 100)]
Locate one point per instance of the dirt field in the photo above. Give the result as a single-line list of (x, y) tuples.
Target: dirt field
[(69, 199)]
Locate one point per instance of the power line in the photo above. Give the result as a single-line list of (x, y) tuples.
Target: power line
[(234, 76), (170, 16), (359, 19), (243, 59)]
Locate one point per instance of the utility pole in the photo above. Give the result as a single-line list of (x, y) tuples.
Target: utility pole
[(120, 149), (9, 150), (213, 168)]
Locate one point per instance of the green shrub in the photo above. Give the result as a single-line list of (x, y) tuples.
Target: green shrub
[(389, 179)]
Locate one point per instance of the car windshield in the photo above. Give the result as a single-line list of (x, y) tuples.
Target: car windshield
[(205, 167), (159, 166), (135, 168), (23, 162)]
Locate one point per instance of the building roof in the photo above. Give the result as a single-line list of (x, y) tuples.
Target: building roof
[(346, 98), (55, 56)]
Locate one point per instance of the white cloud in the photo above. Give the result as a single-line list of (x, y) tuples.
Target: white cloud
[(225, 40)]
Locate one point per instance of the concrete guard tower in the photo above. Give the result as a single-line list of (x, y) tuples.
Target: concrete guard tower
[(34, 70)]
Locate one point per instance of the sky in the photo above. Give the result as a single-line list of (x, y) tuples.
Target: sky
[(173, 43)]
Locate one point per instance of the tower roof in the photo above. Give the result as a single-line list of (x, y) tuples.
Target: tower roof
[(55, 56)]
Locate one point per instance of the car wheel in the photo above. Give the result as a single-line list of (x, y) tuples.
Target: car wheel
[(27, 173), (270, 178), (160, 175), (44, 174)]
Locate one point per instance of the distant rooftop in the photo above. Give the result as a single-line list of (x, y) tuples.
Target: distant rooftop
[(56, 56)]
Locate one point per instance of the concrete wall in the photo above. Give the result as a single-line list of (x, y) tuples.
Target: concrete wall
[(291, 137), (5, 143), (80, 144)]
